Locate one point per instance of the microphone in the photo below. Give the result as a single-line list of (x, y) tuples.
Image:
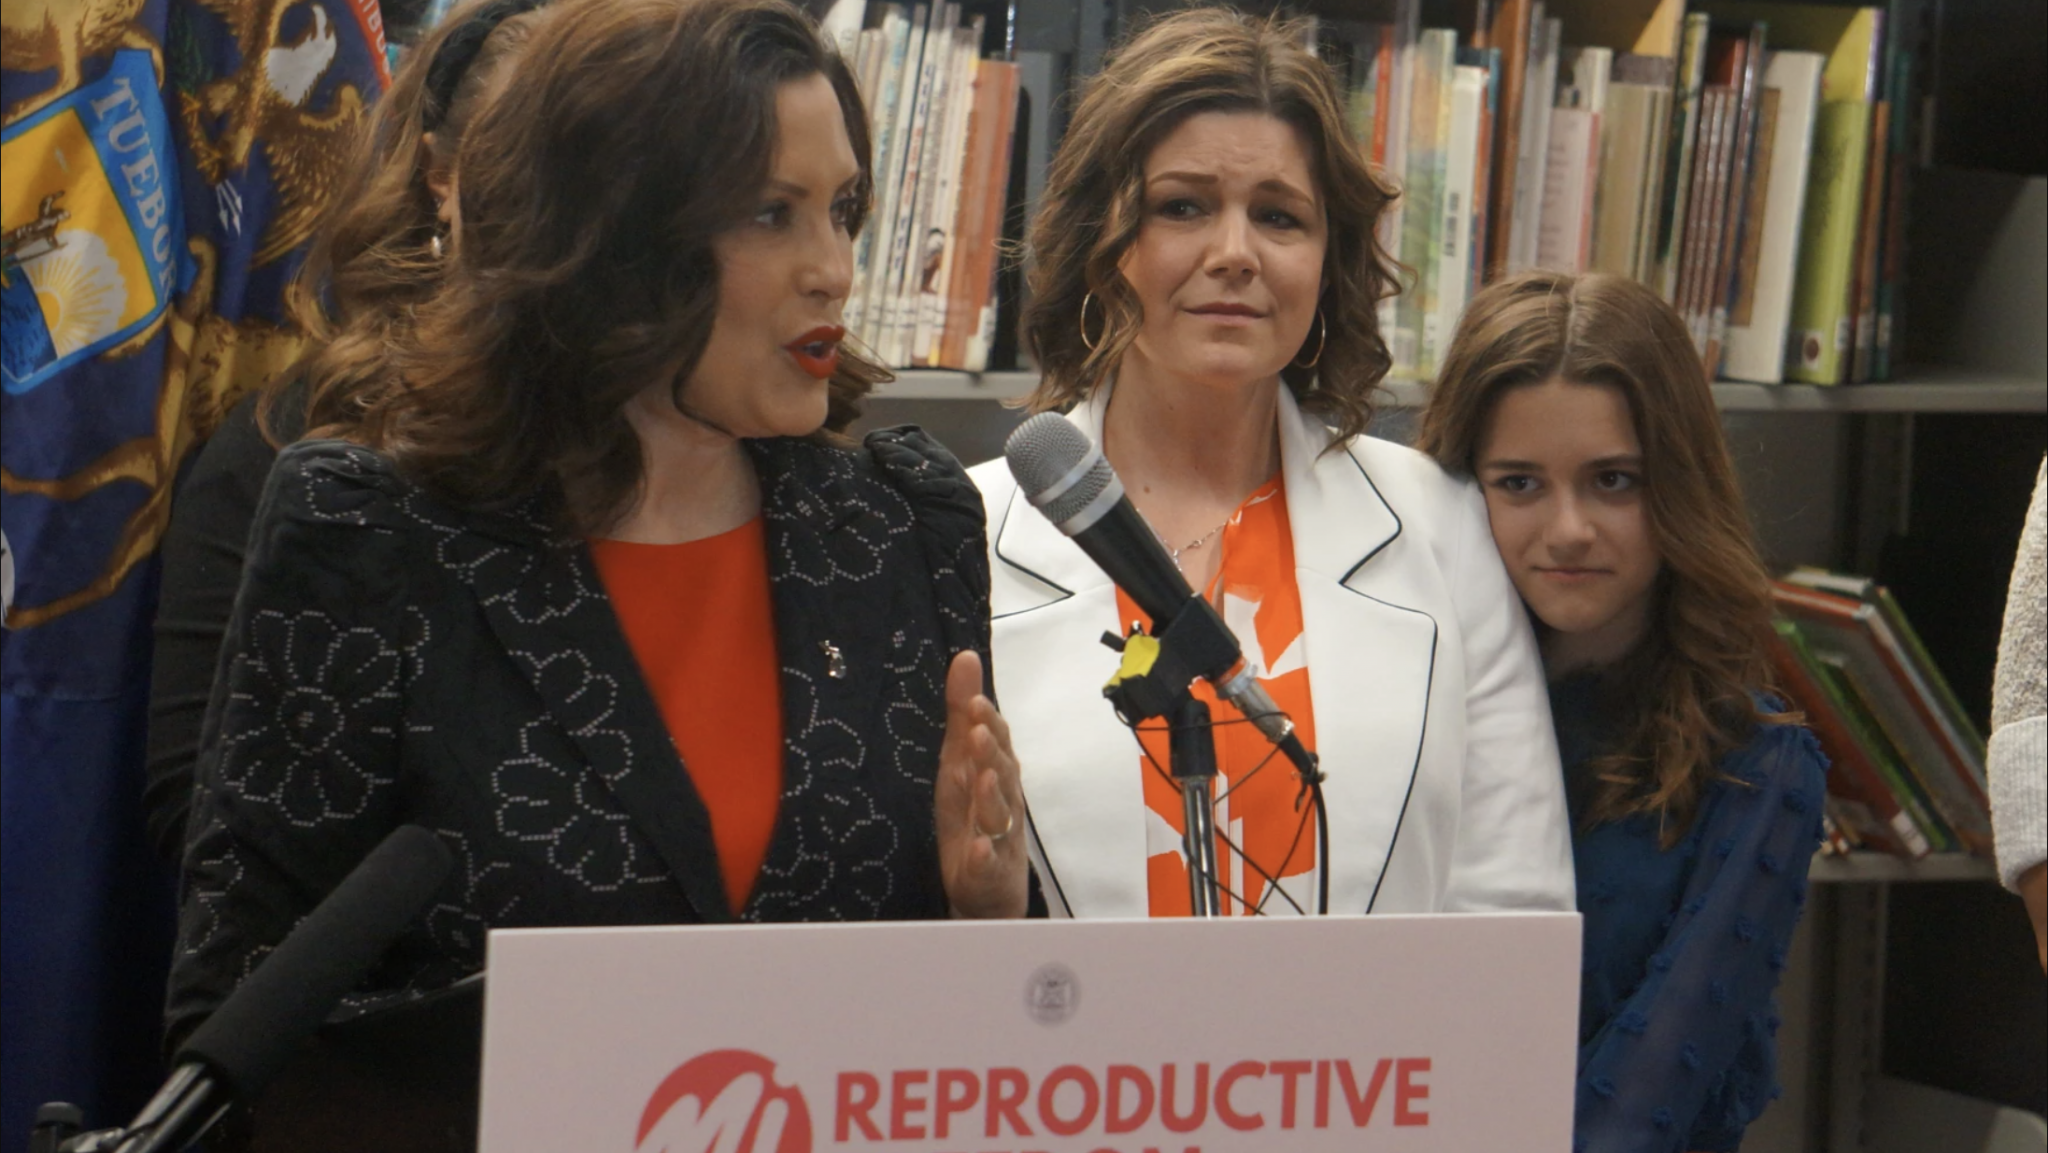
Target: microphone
[(234, 1053), (1065, 476)]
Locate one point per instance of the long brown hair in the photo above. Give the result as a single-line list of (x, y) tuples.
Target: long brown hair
[(1203, 60), (372, 262), (1690, 683), (591, 190)]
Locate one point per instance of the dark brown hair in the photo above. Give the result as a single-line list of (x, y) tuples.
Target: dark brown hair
[(1203, 60), (371, 262), (1689, 685), (591, 191)]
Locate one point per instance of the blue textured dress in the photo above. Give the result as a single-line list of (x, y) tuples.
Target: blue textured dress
[(1684, 947)]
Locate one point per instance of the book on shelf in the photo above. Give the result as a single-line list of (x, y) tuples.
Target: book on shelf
[(1629, 132), (1681, 137), (1869, 245), (1538, 102), (971, 322), (1572, 167), (1938, 701), (1732, 210), (1744, 159), (942, 126), (1510, 31), (1702, 225), (1455, 273), (1820, 344), (1392, 147), (1657, 73), (1881, 740), (1899, 157), (1868, 808), (1891, 695), (906, 243), (1760, 313), (1428, 154), (1833, 842)]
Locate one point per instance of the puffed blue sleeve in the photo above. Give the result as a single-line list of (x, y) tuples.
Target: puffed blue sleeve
[(1687, 1058)]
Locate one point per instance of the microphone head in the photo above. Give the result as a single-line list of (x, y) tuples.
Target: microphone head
[(1059, 469)]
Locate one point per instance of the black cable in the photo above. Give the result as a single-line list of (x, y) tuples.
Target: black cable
[(1272, 883)]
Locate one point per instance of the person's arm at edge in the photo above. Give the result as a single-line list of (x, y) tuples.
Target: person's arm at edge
[(2017, 759), (204, 549)]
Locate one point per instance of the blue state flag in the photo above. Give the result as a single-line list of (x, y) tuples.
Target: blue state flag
[(162, 165)]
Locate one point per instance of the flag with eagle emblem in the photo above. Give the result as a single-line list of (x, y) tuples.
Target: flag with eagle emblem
[(162, 164)]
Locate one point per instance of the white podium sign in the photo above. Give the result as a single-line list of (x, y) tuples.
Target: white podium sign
[(1446, 1033)]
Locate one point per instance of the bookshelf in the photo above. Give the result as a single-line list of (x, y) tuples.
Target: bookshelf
[(1949, 390), (1877, 867)]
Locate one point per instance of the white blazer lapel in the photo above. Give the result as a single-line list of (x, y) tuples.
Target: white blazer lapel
[(1051, 605), (1372, 659)]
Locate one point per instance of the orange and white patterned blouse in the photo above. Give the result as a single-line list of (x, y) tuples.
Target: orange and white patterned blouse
[(1256, 787)]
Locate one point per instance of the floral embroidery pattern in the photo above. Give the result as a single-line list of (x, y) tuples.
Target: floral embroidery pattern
[(312, 694)]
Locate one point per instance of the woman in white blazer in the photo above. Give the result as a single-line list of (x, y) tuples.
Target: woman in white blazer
[(1204, 278)]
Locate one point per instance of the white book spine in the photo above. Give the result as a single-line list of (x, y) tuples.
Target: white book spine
[(1562, 224), (931, 309), (898, 88), (1454, 258), (926, 233), (885, 205), (1756, 350), (873, 59), (841, 23), (1532, 162), (1407, 22), (904, 210)]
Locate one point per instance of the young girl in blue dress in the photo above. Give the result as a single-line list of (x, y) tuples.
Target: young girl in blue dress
[(1580, 406)]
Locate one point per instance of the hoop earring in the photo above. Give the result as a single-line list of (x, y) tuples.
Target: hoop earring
[(1092, 345), (1322, 338)]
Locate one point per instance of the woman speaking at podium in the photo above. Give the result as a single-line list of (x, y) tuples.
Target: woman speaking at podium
[(588, 591), (1204, 281)]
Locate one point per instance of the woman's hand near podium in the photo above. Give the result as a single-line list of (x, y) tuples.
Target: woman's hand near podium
[(979, 803)]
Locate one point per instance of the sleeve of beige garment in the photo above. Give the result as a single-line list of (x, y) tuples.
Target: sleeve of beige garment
[(2018, 761)]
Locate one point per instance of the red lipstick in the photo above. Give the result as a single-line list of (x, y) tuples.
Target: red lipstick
[(817, 351)]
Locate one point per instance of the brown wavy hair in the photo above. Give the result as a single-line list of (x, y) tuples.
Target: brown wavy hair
[(1202, 60), (626, 141), (1688, 688), (371, 262)]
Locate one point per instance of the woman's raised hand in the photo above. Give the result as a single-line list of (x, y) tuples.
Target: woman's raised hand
[(979, 802)]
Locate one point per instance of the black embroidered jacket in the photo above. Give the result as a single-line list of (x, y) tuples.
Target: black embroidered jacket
[(394, 660)]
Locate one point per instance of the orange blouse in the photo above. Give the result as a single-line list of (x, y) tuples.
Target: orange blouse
[(700, 619), (1256, 788)]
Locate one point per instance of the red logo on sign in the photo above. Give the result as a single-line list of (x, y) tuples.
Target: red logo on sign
[(726, 1101)]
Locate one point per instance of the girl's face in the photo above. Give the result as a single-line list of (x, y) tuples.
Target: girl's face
[(783, 277), (1228, 263), (1563, 475)]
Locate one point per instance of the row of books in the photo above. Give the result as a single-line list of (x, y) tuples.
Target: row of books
[(943, 122), (1750, 166), (1907, 763)]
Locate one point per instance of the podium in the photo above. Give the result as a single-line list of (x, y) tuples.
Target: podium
[(1414, 1033)]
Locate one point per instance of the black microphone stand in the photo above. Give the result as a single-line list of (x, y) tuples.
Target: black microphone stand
[(1155, 680), (1191, 756)]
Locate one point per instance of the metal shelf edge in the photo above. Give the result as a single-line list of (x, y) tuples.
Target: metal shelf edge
[(1867, 867), (1951, 391)]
